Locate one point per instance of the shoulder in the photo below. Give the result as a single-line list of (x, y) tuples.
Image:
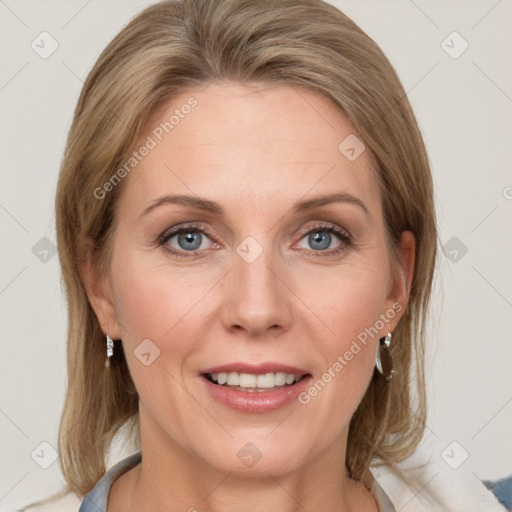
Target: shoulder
[(63, 501), (95, 501), (502, 489), (425, 482)]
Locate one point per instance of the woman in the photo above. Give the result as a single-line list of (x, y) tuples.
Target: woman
[(248, 239)]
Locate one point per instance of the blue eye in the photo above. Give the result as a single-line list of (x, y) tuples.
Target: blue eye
[(189, 239), (320, 239)]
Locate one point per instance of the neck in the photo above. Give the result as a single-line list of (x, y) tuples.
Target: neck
[(170, 476)]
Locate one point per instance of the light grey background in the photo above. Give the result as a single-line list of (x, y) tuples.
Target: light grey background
[(464, 109)]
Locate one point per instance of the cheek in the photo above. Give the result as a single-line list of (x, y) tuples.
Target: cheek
[(153, 300), (154, 307), (350, 303)]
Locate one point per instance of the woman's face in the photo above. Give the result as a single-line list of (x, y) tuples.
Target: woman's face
[(280, 268)]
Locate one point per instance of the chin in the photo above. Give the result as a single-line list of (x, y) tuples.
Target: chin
[(252, 456)]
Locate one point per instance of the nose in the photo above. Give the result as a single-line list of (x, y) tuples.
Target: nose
[(256, 300)]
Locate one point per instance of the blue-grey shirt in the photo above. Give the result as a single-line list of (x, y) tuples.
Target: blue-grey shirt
[(96, 500)]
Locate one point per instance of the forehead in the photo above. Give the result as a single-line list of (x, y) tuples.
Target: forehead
[(251, 143)]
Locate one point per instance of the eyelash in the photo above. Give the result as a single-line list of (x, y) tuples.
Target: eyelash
[(343, 235)]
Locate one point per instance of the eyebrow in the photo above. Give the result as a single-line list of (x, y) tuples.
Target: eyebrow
[(215, 208)]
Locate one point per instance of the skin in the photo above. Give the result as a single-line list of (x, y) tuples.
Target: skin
[(256, 151)]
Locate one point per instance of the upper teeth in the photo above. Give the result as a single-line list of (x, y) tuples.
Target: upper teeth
[(249, 380)]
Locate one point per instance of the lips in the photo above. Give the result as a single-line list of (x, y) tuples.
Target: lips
[(255, 388)]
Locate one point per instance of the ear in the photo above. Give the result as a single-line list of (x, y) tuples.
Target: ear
[(401, 277), (99, 291)]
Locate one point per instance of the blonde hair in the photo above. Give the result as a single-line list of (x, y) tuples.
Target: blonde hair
[(173, 46)]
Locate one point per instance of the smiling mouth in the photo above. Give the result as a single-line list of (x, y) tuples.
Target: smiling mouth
[(254, 383)]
